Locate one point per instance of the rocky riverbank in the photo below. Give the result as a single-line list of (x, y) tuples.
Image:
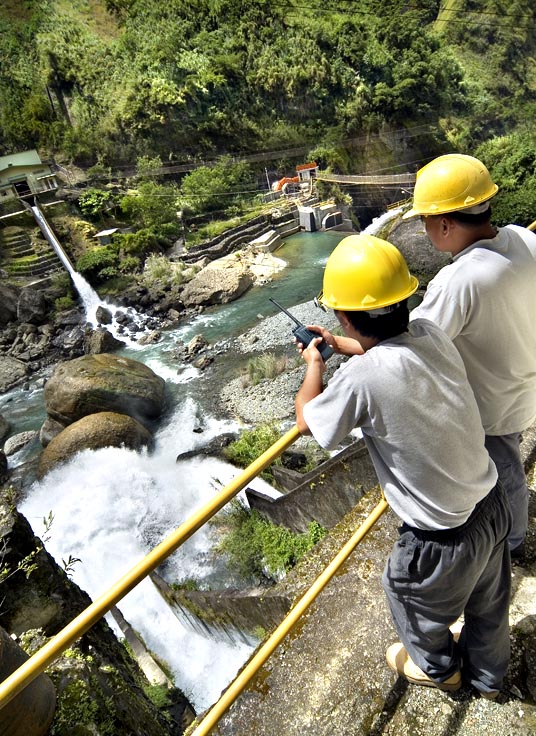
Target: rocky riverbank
[(273, 399)]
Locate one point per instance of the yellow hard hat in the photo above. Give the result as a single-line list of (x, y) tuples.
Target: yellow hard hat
[(365, 273), (450, 183)]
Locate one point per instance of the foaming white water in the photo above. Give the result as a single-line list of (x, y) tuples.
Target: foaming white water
[(378, 222), (111, 507), (180, 373), (92, 301)]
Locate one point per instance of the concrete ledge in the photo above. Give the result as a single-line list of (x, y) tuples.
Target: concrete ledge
[(324, 495)]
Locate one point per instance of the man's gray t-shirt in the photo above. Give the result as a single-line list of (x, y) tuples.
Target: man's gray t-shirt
[(411, 398)]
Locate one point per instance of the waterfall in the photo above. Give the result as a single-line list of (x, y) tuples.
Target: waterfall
[(381, 220), (112, 506), (90, 299)]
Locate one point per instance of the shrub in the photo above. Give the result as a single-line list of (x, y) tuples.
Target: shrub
[(94, 261), (263, 366), (251, 444), (94, 202), (110, 272), (129, 264), (256, 548), (159, 268), (63, 303)]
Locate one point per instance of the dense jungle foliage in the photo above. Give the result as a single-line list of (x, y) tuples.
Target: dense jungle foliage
[(119, 87), (110, 80)]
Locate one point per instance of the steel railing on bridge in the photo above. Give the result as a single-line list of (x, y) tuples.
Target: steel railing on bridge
[(406, 179)]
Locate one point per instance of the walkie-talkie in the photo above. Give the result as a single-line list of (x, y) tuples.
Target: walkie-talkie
[(303, 335)]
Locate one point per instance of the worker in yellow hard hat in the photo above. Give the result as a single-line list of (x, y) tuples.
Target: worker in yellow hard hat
[(405, 386), (486, 302)]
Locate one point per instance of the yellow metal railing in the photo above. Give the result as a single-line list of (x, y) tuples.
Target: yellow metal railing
[(36, 664), (262, 654)]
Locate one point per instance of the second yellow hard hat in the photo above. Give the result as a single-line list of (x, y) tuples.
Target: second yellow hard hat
[(450, 183)]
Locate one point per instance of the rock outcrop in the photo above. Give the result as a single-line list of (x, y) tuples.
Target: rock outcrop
[(103, 429), (216, 285), (9, 297), (99, 686), (103, 382), (12, 372), (31, 712)]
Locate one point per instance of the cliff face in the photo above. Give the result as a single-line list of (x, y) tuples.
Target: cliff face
[(99, 686)]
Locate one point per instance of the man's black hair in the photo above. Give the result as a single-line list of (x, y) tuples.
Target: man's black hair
[(467, 219), (382, 326)]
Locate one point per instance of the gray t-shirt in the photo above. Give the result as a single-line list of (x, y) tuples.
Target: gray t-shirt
[(411, 398), (486, 303)]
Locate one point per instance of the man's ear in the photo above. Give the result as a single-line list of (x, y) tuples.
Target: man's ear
[(447, 225), (343, 320)]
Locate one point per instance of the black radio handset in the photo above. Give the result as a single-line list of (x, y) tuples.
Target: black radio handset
[(304, 335)]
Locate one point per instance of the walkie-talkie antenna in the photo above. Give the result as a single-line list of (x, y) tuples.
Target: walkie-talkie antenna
[(292, 317)]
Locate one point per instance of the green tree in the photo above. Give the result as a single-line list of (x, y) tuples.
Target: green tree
[(95, 202), (148, 168), (98, 264), (215, 187), (512, 162), (152, 206)]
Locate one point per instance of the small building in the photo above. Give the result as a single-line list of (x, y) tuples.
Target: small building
[(105, 236), (301, 184), (306, 172), (24, 174)]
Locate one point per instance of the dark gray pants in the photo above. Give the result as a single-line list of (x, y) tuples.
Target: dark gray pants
[(505, 453), (431, 578)]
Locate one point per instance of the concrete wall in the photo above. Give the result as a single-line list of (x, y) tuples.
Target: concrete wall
[(324, 495)]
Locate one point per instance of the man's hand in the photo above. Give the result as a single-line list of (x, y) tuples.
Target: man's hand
[(340, 344), (312, 381), (311, 354)]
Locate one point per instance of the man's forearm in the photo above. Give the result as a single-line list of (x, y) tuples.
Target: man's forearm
[(346, 346), (311, 387)]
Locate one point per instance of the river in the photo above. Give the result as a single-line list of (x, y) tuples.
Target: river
[(112, 506)]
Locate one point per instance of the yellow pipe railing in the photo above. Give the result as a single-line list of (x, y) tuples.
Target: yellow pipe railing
[(33, 666), (532, 226), (277, 636)]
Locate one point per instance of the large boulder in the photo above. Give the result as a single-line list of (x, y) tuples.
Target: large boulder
[(100, 383), (9, 297), (12, 372), (217, 285), (17, 441), (31, 712), (32, 306), (100, 341), (3, 466), (104, 429), (96, 670), (423, 260), (4, 428)]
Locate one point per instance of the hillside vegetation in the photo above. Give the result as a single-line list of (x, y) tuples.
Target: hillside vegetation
[(110, 80), (116, 86)]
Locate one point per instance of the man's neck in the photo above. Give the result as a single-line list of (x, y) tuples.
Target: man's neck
[(468, 237)]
